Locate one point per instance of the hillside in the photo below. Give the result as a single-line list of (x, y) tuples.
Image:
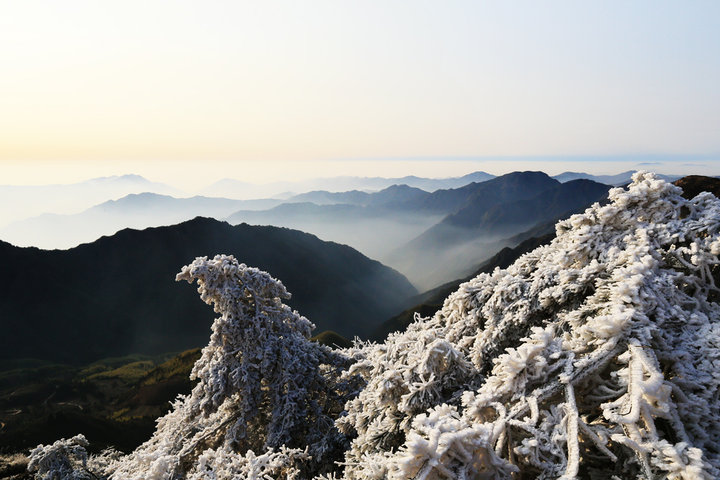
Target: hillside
[(114, 401), (118, 295)]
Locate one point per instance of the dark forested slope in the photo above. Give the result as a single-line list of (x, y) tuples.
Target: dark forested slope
[(118, 294)]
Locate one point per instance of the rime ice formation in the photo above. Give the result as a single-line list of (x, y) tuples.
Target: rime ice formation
[(264, 387), (596, 356)]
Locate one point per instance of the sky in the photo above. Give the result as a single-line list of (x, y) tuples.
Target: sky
[(192, 91)]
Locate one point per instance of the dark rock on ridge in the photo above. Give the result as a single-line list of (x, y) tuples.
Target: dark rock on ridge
[(695, 184)]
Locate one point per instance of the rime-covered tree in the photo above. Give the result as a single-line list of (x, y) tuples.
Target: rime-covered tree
[(264, 387), (596, 356)]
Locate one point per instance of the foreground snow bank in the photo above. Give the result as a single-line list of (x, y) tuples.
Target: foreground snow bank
[(596, 356)]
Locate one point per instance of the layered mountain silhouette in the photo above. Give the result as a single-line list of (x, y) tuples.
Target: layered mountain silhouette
[(139, 210), (32, 200), (118, 295), (616, 180), (505, 213), (231, 188), (490, 212), (398, 196), (426, 235), (429, 235)]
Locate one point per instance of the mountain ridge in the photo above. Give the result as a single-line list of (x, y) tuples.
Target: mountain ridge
[(232, 188), (616, 180), (125, 279)]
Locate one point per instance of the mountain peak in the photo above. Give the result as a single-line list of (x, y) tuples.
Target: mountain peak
[(126, 178)]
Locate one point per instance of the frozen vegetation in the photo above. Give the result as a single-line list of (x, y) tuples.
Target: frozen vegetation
[(597, 356)]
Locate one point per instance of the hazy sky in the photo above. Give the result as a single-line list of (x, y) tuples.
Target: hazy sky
[(200, 90)]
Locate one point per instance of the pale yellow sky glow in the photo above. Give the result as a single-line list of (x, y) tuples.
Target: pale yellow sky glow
[(167, 88)]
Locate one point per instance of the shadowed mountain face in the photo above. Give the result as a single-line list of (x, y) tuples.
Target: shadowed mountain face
[(556, 202), (118, 294), (692, 185), (495, 210), (489, 195)]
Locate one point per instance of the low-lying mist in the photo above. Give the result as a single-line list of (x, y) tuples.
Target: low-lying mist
[(435, 266), (375, 237), (138, 211)]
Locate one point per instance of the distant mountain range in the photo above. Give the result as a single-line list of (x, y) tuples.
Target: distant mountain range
[(421, 233), (397, 195), (118, 295), (348, 186), (425, 228), (510, 204), (140, 210), (429, 302), (25, 201), (489, 213), (231, 188), (374, 223), (35, 200), (615, 180)]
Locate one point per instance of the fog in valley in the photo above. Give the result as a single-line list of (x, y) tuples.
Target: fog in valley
[(431, 235)]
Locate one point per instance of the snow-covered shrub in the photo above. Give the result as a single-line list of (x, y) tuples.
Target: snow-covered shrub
[(68, 459), (264, 387), (596, 356), (600, 348)]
